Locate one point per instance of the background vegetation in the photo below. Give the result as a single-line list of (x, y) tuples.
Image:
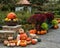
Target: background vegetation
[(42, 5)]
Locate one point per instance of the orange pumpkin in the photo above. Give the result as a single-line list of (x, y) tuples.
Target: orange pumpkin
[(11, 15), (28, 40), (58, 21), (55, 27), (23, 43), (32, 31), (42, 32), (15, 41), (23, 36), (34, 41)]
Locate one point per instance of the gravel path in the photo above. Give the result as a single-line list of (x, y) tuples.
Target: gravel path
[(50, 40)]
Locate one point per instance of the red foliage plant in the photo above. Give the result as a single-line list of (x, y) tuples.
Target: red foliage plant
[(37, 19), (49, 16)]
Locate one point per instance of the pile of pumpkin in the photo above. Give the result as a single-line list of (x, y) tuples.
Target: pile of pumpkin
[(34, 31), (11, 17), (22, 40)]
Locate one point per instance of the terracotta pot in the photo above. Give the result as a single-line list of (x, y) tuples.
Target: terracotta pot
[(56, 27)]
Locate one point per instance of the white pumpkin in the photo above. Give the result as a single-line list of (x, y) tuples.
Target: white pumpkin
[(10, 38), (35, 40), (8, 44), (18, 37), (12, 44), (5, 42)]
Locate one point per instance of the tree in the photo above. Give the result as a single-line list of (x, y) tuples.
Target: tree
[(8, 4), (7, 1), (39, 2)]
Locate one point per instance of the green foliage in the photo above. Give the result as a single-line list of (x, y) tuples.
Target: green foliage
[(6, 1), (28, 26), (44, 26), (23, 16), (37, 1), (7, 5), (54, 22)]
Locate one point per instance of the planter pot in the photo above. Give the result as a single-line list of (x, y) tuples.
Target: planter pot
[(11, 23)]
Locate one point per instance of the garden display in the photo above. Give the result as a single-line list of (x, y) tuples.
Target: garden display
[(22, 39), (42, 22), (11, 19)]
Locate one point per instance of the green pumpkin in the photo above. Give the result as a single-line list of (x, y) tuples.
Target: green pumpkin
[(54, 22), (44, 26)]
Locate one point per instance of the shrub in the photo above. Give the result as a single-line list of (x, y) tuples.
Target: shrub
[(37, 19), (49, 16)]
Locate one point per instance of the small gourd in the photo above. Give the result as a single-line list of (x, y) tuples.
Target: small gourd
[(21, 30)]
